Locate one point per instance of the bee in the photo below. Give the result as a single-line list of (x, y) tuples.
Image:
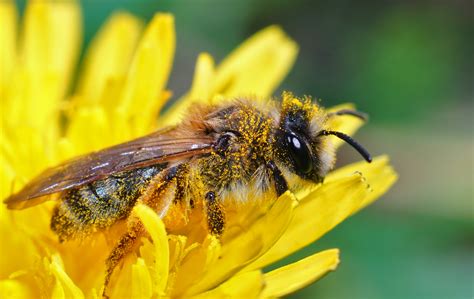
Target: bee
[(238, 150)]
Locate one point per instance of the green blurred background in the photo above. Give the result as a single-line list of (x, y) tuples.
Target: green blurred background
[(410, 65)]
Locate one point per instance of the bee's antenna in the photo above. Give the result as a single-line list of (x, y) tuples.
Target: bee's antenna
[(361, 115), (362, 151)]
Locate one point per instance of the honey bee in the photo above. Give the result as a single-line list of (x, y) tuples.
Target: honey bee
[(238, 150)]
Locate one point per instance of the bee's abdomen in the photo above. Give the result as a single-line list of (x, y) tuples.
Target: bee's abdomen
[(100, 204)]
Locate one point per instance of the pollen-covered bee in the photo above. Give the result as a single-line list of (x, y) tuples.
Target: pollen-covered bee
[(238, 150)]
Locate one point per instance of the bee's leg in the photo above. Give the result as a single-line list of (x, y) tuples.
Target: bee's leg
[(124, 246), (181, 182), (280, 182), (127, 242), (214, 214)]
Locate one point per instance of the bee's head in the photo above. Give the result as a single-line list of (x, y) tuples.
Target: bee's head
[(301, 142)]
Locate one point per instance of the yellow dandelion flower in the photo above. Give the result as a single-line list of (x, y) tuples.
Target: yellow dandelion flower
[(120, 92)]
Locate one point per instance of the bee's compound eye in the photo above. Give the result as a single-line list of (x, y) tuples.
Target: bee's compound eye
[(299, 152)]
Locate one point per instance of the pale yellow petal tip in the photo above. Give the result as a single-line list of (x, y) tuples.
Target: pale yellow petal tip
[(108, 57), (203, 77), (292, 277), (336, 253), (277, 32), (148, 76), (378, 175), (125, 17), (257, 66), (387, 170), (381, 159), (274, 30), (206, 55), (292, 49), (201, 91), (166, 18), (385, 159)]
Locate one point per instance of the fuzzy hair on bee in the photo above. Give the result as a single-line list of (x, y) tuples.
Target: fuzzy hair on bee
[(234, 152)]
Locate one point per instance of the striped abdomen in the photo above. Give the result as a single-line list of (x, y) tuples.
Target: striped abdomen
[(100, 204)]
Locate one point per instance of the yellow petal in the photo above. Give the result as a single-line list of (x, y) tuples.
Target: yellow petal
[(134, 280), (141, 281), (122, 287), (257, 66), (109, 56), (156, 229), (343, 123), (317, 213), (149, 71), (31, 103), (47, 54), (249, 245), (64, 286), (379, 175), (51, 40), (13, 288), (203, 76), (8, 33), (121, 127), (195, 262), (201, 90), (244, 285), (89, 130), (290, 278), (12, 259), (177, 246), (7, 175), (29, 149)]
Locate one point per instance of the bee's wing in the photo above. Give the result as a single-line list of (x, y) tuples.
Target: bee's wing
[(158, 147)]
